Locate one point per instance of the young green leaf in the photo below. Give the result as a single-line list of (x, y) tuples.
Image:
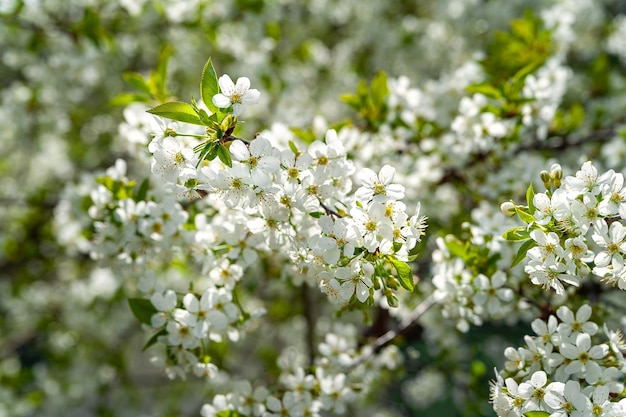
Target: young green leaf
[(142, 192), (517, 233), (224, 154), (526, 217), (209, 86), (521, 253), (405, 274), (177, 110), (153, 339), (137, 81), (530, 196), (229, 413), (536, 414), (142, 309)]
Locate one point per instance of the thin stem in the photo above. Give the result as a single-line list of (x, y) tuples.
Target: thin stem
[(328, 210), (403, 327)]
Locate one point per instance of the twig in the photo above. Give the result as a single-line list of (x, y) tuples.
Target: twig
[(403, 327)]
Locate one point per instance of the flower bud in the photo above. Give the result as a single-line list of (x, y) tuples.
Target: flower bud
[(508, 208), (556, 172)]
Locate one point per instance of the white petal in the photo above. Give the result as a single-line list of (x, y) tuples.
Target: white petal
[(251, 97), (221, 101), (243, 84), (226, 85), (239, 151), (386, 174)]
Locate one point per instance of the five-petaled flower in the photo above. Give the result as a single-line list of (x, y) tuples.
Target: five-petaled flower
[(236, 95)]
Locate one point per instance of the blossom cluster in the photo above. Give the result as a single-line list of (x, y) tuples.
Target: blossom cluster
[(343, 373), (564, 370), (576, 228)]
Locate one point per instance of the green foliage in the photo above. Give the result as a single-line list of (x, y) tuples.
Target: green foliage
[(521, 253), (142, 309), (150, 88), (517, 53), (229, 413), (120, 189), (536, 414), (370, 103), (476, 257), (405, 274), (177, 110), (209, 86)]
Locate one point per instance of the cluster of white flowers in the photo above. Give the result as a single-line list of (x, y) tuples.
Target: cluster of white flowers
[(577, 228), (343, 374), (267, 199), (564, 370)]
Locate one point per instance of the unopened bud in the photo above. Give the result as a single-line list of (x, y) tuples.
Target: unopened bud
[(508, 208), (556, 172), (545, 177)]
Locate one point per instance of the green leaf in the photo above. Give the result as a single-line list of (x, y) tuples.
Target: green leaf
[(157, 79), (521, 253), (153, 339), (208, 151), (405, 274), (142, 309), (536, 414), (136, 80), (456, 247), (293, 147), (307, 136), (530, 196), (142, 192), (229, 413), (209, 86), (379, 89), (224, 154), (517, 233), (177, 110), (526, 217), (125, 99), (485, 89), (316, 214)]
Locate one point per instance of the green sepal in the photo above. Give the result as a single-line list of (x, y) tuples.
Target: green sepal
[(526, 217), (517, 233), (153, 339), (224, 155), (142, 309), (316, 214), (536, 414), (530, 196), (177, 110), (208, 151), (405, 274), (521, 253), (209, 86)]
